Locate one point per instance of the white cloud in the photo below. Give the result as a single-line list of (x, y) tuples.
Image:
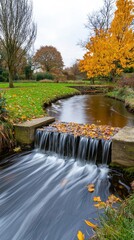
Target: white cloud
[(61, 24)]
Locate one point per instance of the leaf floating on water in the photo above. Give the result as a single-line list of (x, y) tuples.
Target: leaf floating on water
[(80, 236), (90, 224), (91, 187), (109, 203), (97, 199)]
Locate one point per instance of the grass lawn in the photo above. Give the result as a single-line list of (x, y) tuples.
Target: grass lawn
[(25, 101)]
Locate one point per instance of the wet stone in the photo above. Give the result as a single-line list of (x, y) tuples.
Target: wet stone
[(25, 132), (123, 147)]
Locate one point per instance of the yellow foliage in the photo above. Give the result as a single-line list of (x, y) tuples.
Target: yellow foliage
[(113, 51)]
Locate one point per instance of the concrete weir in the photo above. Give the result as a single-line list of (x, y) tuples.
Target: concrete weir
[(122, 142), (123, 147), (25, 132)]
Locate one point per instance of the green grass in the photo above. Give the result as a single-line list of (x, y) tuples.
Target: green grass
[(124, 94), (118, 224), (26, 100)]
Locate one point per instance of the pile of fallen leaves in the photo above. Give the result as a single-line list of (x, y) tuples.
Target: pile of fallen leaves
[(87, 130)]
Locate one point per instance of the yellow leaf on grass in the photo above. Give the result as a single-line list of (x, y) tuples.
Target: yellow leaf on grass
[(97, 199), (23, 117), (113, 199), (90, 187), (80, 236), (91, 224)]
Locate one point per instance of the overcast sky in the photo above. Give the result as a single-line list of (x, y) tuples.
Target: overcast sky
[(60, 23)]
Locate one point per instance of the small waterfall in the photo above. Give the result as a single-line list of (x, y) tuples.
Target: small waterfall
[(67, 145), (45, 196)]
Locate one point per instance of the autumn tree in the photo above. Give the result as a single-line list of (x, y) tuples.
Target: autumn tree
[(122, 35), (48, 58), (110, 52), (17, 31)]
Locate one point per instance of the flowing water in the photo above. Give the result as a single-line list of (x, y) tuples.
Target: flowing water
[(95, 109), (43, 193)]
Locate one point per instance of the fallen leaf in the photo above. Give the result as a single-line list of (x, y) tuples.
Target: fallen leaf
[(80, 236), (113, 199), (91, 188), (100, 205), (17, 149), (90, 224), (97, 199)]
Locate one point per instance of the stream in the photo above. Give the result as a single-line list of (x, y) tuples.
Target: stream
[(96, 109), (44, 192)]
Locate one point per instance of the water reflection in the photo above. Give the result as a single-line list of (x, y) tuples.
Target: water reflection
[(95, 109)]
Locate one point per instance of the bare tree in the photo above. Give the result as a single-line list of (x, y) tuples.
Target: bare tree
[(17, 31), (101, 19)]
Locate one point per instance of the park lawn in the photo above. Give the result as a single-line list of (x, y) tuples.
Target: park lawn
[(25, 101)]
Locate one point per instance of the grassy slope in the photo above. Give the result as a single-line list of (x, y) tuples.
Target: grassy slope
[(25, 101), (124, 94), (118, 224)]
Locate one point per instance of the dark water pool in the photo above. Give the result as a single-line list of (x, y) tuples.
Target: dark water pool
[(95, 109)]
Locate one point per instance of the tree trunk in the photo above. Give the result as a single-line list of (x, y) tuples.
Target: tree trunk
[(11, 75)]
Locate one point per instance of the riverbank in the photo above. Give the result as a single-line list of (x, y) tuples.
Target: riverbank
[(125, 95), (26, 100), (118, 222)]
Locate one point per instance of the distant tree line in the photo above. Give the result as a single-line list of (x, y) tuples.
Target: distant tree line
[(45, 64)]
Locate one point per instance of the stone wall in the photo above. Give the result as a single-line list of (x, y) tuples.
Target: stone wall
[(123, 147)]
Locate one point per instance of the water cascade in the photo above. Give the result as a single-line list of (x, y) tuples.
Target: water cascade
[(95, 151), (43, 192)]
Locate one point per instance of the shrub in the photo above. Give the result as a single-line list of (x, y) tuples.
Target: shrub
[(22, 77), (127, 82), (3, 110), (40, 76), (129, 70), (48, 75), (4, 76), (6, 131), (2, 79)]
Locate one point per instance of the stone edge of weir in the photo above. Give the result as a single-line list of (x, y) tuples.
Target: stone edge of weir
[(122, 142), (25, 132)]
